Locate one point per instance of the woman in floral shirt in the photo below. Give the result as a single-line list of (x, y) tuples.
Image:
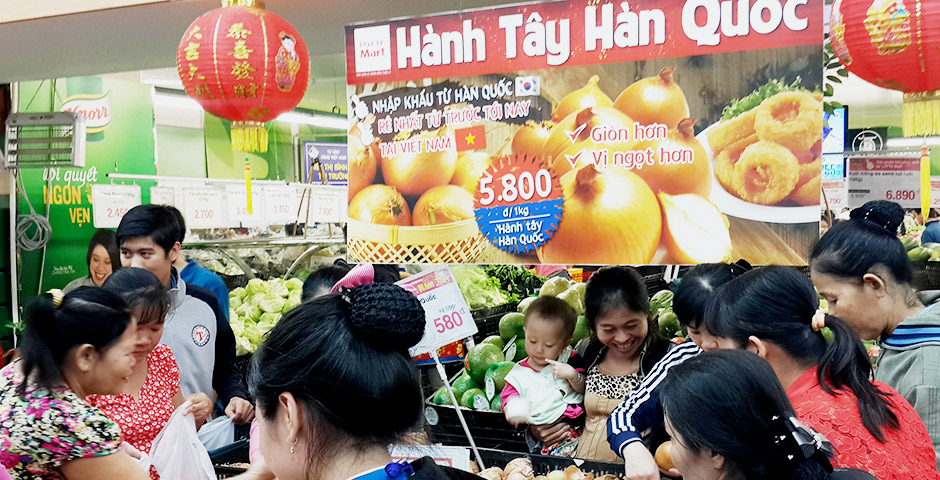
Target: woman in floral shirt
[(82, 346)]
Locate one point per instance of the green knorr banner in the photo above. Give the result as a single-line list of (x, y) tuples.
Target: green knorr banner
[(119, 118)]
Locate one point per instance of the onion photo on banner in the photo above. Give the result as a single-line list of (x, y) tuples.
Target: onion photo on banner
[(588, 133)]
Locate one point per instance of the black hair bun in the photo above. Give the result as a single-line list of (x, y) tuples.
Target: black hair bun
[(386, 316), (886, 215)]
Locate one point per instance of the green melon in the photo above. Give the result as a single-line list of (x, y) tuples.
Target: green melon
[(511, 325), (479, 359)]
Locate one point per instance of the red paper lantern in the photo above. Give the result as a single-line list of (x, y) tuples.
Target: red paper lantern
[(246, 64), (894, 44)]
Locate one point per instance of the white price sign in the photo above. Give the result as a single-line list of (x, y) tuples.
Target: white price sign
[(204, 208), (111, 202), (448, 316), (162, 196), (237, 206), (888, 178), (280, 204), (835, 195), (327, 204)]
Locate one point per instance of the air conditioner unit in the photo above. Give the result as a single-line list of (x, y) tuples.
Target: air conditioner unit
[(49, 139)]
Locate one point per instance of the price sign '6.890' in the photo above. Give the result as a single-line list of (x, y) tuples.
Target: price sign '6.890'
[(448, 316)]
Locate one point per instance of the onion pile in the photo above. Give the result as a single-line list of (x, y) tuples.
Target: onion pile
[(381, 205), (678, 178), (415, 173), (470, 167), (588, 96), (443, 204), (530, 139), (654, 100), (363, 163), (609, 217)]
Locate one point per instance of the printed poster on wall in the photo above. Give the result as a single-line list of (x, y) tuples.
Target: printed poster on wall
[(585, 132)]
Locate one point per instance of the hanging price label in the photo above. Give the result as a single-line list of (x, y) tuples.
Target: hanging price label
[(111, 202), (448, 316), (162, 196), (280, 204), (326, 204), (203, 208), (236, 206)]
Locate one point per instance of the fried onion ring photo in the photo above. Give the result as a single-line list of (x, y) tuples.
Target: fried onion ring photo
[(766, 173), (808, 193), (726, 133), (792, 119)]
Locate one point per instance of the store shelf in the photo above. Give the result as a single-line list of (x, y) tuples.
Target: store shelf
[(265, 242)]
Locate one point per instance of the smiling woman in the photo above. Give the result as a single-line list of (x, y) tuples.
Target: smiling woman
[(103, 259)]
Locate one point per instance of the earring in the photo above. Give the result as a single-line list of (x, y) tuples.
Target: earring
[(292, 445)]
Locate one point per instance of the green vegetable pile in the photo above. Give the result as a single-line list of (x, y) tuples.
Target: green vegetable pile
[(753, 99), (516, 280), (257, 307), (479, 289)]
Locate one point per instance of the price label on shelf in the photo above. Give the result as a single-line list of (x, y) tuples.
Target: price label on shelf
[(888, 178), (518, 204), (326, 205), (448, 316), (236, 206), (204, 208), (280, 204), (111, 202), (162, 196)]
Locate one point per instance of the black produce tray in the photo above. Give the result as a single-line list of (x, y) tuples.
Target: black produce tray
[(489, 429), (226, 471), (926, 275), (487, 320), (542, 464)]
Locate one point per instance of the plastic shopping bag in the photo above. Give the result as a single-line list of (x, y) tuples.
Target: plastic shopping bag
[(217, 433), (177, 452)]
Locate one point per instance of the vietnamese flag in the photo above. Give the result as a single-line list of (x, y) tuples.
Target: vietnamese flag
[(473, 138)]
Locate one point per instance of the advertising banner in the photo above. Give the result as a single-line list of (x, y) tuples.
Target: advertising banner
[(333, 158), (588, 133), (119, 113)]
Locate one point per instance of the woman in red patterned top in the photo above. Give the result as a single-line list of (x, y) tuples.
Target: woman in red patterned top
[(153, 391), (771, 312)]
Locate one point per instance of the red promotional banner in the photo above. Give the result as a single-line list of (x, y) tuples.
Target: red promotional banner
[(566, 34), (666, 132)]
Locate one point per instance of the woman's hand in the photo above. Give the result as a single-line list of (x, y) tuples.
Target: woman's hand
[(550, 434), (639, 463), (201, 407)]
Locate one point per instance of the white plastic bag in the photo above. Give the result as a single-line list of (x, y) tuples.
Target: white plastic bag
[(177, 453), (217, 433)]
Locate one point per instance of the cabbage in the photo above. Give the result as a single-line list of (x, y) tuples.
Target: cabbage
[(249, 312), (277, 287), (237, 293), (243, 346), (295, 296), (294, 284), (268, 320), (271, 303), (234, 302), (255, 286), (254, 334), (290, 303)]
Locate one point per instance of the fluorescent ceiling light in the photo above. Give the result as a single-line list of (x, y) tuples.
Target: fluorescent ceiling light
[(337, 123), (911, 142), (300, 118)]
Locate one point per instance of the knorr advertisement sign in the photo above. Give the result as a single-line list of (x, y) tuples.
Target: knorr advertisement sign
[(648, 132)]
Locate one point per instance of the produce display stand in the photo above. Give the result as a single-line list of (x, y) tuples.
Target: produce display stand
[(542, 464)]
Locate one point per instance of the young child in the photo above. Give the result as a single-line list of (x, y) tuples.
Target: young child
[(553, 390)]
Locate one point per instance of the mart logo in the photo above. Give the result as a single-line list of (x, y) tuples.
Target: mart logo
[(373, 47)]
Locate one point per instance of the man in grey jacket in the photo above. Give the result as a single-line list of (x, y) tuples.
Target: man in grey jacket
[(196, 330)]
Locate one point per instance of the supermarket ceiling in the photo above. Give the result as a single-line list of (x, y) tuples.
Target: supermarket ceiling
[(145, 36)]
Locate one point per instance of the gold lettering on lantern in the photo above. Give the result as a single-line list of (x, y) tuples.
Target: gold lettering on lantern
[(192, 52), (257, 113), (195, 33), (238, 31), (246, 91), (241, 52), (203, 91), (192, 73), (242, 70)]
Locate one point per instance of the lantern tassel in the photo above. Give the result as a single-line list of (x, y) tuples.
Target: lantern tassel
[(249, 137), (921, 114)]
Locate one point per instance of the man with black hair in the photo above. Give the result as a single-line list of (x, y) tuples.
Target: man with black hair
[(196, 331), (194, 274)]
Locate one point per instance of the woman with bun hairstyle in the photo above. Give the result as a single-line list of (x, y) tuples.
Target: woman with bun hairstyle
[(642, 410), (730, 419), (773, 311), (73, 346), (335, 386), (861, 269)]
